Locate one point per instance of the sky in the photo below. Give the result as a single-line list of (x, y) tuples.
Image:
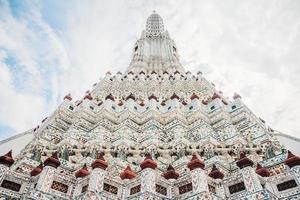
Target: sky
[(51, 48)]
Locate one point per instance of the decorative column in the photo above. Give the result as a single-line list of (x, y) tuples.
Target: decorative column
[(80, 174), (5, 162), (171, 173), (294, 164), (98, 174), (47, 174), (216, 174), (199, 179), (251, 181), (126, 175), (148, 167)]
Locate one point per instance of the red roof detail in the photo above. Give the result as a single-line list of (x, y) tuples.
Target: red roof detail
[(142, 103), (184, 103), (37, 170), (100, 162), (88, 96), (153, 97), (163, 103), (215, 96), (290, 155), (262, 171), (171, 173), (236, 96), (68, 97), (216, 173), (52, 161), (7, 159), (292, 160), (110, 97), (130, 97), (205, 102), (195, 163), (83, 172), (174, 96), (120, 103), (127, 173), (244, 161), (148, 162), (194, 96)]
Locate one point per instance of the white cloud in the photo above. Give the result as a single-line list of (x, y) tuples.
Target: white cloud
[(17, 107), (30, 52)]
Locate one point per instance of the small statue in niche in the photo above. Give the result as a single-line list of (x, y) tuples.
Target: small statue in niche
[(152, 149), (94, 153), (229, 157), (108, 154), (180, 150), (270, 152), (122, 155), (164, 155), (272, 148), (65, 154), (36, 155), (134, 156), (208, 151), (76, 155)]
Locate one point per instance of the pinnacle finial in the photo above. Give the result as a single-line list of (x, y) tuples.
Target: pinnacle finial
[(154, 25), (164, 57)]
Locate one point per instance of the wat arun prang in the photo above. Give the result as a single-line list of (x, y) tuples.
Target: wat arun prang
[(155, 131)]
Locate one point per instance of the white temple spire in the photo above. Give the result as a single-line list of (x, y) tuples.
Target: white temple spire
[(155, 50), (154, 25)]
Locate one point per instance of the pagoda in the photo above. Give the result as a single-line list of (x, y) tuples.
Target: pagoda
[(155, 131)]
